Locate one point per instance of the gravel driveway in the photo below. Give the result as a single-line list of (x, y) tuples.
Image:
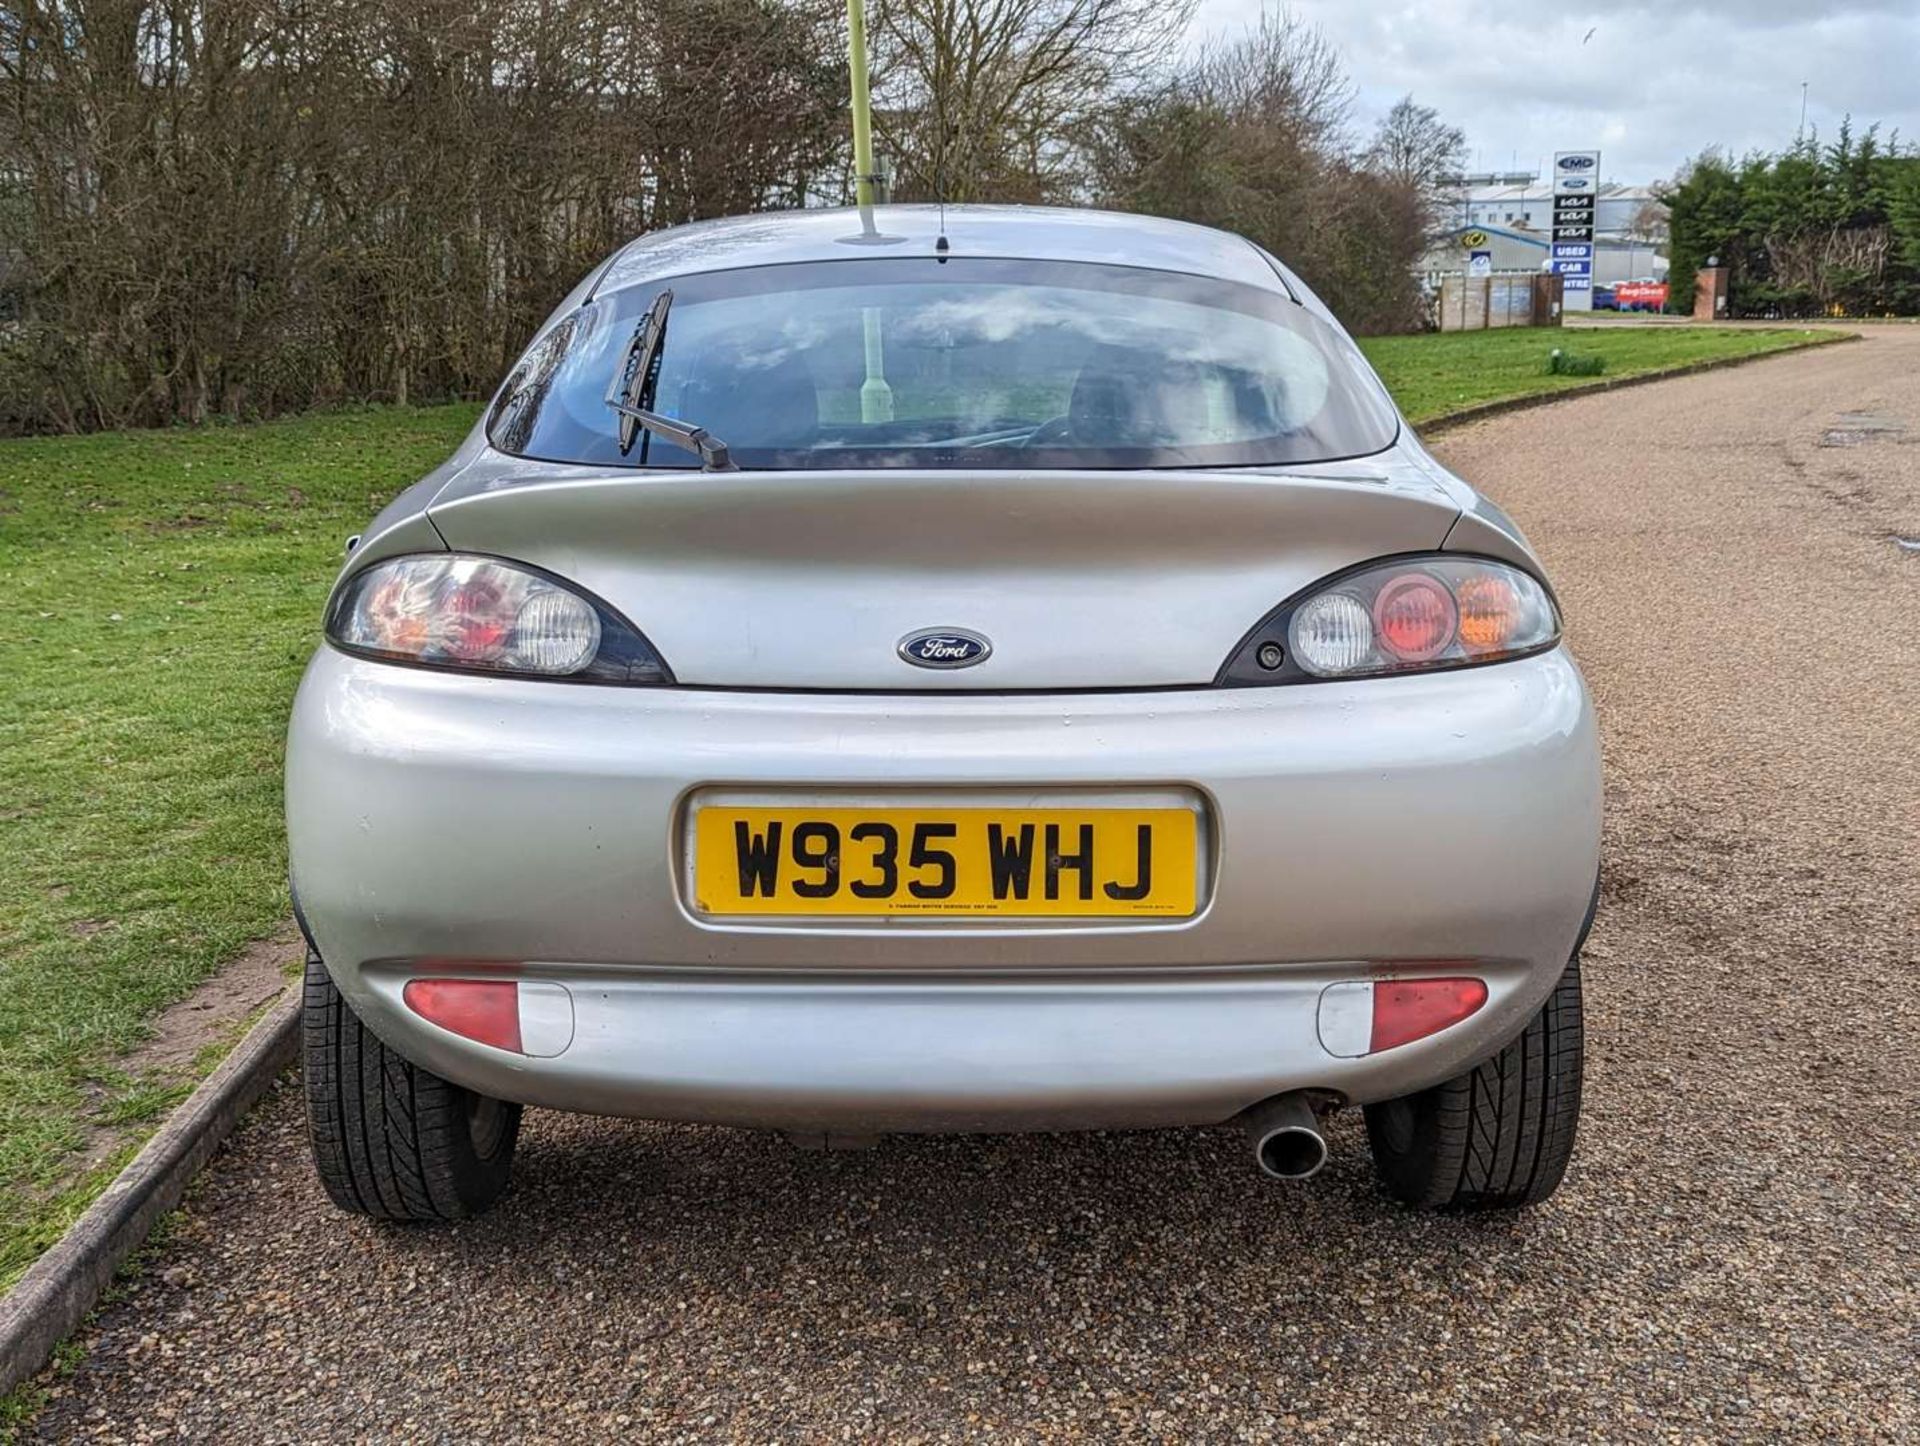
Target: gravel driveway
[(1736, 1253)]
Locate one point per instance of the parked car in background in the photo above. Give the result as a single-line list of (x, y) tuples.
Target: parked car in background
[(992, 669)]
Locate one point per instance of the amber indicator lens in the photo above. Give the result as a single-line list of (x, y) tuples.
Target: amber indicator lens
[(1490, 612)]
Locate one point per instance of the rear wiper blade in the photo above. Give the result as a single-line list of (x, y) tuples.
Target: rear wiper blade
[(632, 395)]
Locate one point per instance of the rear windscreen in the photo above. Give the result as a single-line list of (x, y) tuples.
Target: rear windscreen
[(917, 362)]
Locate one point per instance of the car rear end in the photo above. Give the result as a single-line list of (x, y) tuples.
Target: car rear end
[(1038, 759)]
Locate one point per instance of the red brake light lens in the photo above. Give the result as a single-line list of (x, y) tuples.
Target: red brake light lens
[(479, 621), (1414, 617), (1408, 1009), (485, 1010)]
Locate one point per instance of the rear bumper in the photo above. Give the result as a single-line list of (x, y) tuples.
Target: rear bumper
[(482, 827), (867, 1054)]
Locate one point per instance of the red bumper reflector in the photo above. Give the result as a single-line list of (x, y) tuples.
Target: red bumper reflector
[(1408, 1009), (487, 1010)]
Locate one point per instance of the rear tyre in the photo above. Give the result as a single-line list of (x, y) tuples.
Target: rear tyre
[(1498, 1136), (390, 1139)]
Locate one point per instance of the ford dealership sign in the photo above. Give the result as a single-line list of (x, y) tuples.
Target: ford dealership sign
[(1576, 190)]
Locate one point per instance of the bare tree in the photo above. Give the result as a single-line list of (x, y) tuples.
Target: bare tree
[(1414, 148), (984, 99), (1282, 75), (1253, 137), (244, 206), (1648, 224)]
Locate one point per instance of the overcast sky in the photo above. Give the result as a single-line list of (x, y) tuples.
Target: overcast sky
[(1655, 84)]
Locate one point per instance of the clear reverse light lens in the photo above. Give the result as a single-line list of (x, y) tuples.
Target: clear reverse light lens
[(554, 632), (467, 612), (1332, 634)]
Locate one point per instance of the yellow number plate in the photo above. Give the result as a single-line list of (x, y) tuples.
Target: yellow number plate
[(947, 862)]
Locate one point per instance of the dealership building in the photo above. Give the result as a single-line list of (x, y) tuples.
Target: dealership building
[(1506, 218), (1521, 200), (1615, 258)]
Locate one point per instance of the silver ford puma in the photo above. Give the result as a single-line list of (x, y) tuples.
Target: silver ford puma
[(1012, 670)]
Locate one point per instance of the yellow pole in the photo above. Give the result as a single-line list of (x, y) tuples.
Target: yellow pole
[(876, 397), (862, 103)]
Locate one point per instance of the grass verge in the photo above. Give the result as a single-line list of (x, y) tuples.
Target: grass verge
[(161, 597), (1431, 376), (163, 590)]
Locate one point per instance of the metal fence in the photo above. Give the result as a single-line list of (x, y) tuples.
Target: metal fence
[(1506, 298)]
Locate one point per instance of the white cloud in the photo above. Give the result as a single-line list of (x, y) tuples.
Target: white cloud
[(1655, 84)]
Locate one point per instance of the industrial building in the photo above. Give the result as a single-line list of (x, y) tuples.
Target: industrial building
[(1521, 200), (1507, 218), (1507, 248)]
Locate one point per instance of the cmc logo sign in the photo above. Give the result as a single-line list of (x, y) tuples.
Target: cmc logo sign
[(1575, 163)]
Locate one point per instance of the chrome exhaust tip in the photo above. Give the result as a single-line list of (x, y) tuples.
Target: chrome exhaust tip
[(1286, 1139)]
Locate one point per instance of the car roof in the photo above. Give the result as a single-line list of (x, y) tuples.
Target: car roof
[(1036, 233)]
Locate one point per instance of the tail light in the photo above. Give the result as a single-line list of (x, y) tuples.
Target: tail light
[(484, 1010), (1408, 1009), (479, 614), (1365, 1016), (1406, 615), (522, 1016)]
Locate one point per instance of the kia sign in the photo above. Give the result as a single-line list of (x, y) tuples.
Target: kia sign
[(1576, 185)]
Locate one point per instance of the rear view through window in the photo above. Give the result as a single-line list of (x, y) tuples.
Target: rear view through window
[(916, 362)]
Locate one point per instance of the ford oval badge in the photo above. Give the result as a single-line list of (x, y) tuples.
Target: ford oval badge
[(944, 648)]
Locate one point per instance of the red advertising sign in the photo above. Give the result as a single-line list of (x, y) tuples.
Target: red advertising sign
[(1640, 293)]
